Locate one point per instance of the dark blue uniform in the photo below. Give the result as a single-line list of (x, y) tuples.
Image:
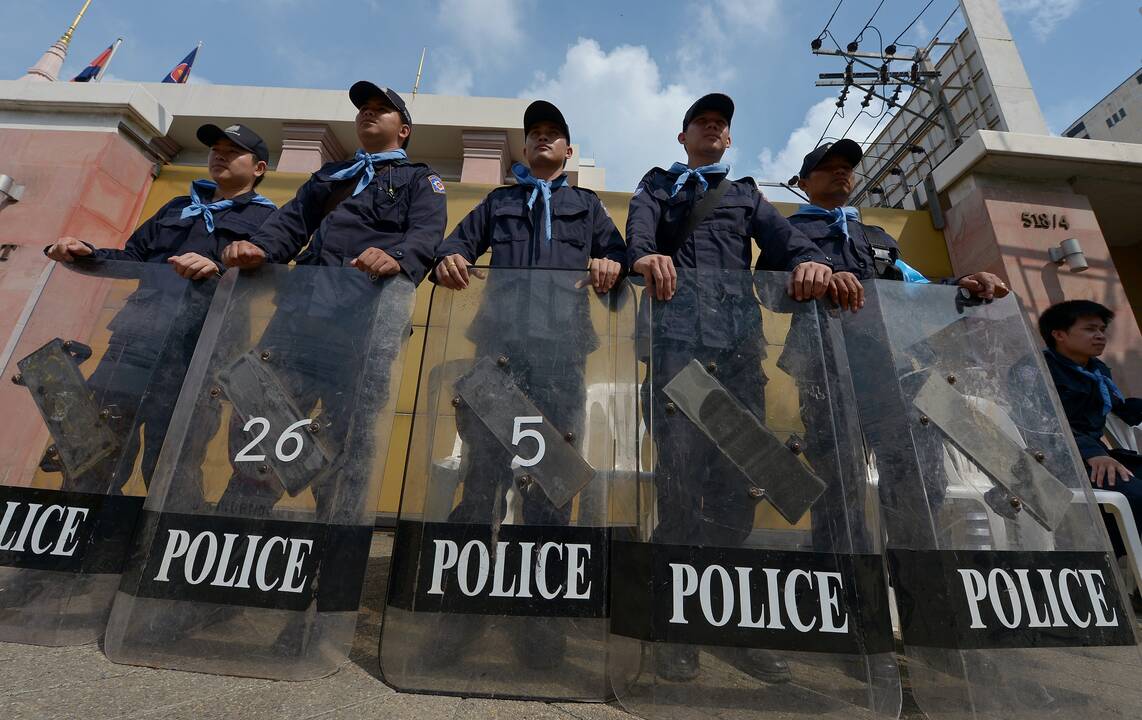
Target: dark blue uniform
[(1086, 414), (146, 351), (402, 211), (319, 334), (857, 253), (167, 234), (713, 318), (539, 321)]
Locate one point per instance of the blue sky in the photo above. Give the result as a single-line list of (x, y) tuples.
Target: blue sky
[(623, 72)]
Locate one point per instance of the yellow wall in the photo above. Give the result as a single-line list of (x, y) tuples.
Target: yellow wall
[(922, 246)]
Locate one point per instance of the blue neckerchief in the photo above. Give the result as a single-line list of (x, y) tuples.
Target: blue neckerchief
[(365, 162), (200, 188), (685, 172), (1106, 386), (544, 187), (840, 216)]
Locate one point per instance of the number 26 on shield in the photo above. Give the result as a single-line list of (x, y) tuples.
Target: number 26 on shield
[(519, 433), (290, 436)]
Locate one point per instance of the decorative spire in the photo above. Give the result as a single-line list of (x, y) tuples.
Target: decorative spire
[(74, 23), (48, 66)]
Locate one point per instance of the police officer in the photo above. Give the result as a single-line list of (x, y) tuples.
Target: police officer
[(709, 315), (378, 213), (859, 251), (539, 321), (190, 233)]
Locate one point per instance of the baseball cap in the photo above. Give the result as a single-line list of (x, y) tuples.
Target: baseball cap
[(363, 90), (541, 111), (238, 134), (846, 148), (714, 101)]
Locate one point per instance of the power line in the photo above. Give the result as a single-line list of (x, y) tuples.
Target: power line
[(830, 21), (914, 21)]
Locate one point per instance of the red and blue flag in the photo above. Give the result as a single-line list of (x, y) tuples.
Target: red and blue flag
[(95, 70), (181, 72)]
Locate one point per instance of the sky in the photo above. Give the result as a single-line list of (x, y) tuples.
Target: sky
[(623, 72)]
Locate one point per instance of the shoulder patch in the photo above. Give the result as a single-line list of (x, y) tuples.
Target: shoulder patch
[(638, 191), (437, 184)]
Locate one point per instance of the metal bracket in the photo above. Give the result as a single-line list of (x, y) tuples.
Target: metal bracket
[(770, 465), (1028, 485), (255, 391), (497, 401), (82, 437)]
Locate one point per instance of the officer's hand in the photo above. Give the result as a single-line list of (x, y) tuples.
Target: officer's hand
[(1105, 469), (846, 291), (452, 272), (984, 285), (243, 255), (659, 273), (376, 261), (67, 249), (809, 281), (604, 274), (193, 266)]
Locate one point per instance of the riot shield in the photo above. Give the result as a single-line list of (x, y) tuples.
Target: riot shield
[(756, 588), (91, 372), (523, 436), (251, 549), (1009, 599)]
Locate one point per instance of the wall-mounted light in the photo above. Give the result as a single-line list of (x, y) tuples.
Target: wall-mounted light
[(10, 192), (1070, 252)]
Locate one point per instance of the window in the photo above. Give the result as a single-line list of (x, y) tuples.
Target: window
[(1110, 122), (1076, 130), (1121, 113), (1139, 79)]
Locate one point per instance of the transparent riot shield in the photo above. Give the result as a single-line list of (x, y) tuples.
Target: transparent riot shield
[(1009, 598), (756, 588), (252, 546), (523, 438), (91, 373)]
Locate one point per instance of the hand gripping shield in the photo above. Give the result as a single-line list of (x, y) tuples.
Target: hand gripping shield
[(1008, 596), (523, 437), (756, 585), (94, 366), (252, 547)]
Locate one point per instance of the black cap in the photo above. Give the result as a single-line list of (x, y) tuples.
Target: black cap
[(717, 102), (543, 111), (240, 135), (846, 148), (363, 91)]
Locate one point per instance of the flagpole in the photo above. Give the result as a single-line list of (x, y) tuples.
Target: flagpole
[(419, 69), (114, 49)]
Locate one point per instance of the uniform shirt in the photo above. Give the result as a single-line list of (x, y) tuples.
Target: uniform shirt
[(536, 306), (1083, 403), (402, 211), (166, 234), (714, 304), (581, 230), (722, 240), (854, 254)]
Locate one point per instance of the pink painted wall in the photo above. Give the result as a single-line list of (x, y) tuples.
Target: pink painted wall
[(90, 185), (985, 232)]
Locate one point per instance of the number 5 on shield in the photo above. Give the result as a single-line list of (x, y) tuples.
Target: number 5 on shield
[(519, 433)]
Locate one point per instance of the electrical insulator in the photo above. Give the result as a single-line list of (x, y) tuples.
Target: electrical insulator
[(816, 44), (914, 73)]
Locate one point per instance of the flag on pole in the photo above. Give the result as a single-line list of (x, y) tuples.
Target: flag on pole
[(181, 72), (94, 71)]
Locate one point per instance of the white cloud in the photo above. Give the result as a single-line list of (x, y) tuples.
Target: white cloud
[(198, 79), (781, 164), (484, 35), (1043, 15), (704, 55), (618, 107), (482, 27)]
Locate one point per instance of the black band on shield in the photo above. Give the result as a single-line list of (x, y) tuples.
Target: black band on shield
[(778, 600), (65, 531), (250, 562)]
